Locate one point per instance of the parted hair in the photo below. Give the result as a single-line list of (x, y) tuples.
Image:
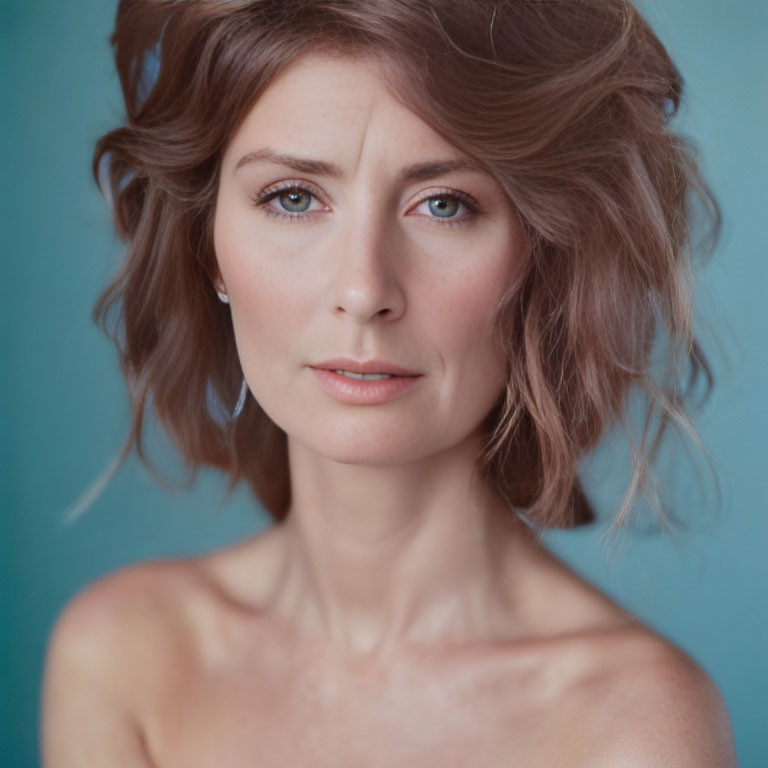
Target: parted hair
[(568, 105)]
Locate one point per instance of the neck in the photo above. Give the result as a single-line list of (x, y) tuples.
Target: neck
[(376, 558)]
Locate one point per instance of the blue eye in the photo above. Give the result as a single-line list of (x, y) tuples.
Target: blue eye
[(444, 205), (295, 201)]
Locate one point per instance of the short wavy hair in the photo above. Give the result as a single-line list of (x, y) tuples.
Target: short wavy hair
[(566, 104)]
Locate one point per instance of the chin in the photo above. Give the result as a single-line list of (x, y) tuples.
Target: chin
[(369, 452), (365, 445)]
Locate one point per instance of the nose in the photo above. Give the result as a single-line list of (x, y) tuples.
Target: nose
[(366, 281)]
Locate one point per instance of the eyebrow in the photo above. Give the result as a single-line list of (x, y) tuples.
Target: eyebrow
[(416, 172)]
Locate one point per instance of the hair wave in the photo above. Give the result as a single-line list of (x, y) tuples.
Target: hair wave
[(567, 104)]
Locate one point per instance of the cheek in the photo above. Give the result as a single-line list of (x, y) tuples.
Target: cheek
[(464, 320), (263, 282), (484, 366), (469, 302), (266, 315)]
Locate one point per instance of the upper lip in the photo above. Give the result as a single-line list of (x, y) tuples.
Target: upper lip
[(364, 366)]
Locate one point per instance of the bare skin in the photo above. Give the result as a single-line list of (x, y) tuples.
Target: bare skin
[(183, 663), (402, 616)]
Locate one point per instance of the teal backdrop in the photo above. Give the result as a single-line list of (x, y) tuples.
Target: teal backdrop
[(64, 405)]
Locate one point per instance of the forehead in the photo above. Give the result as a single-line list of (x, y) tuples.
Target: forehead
[(337, 104)]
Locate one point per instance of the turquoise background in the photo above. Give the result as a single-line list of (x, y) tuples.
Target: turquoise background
[(65, 408)]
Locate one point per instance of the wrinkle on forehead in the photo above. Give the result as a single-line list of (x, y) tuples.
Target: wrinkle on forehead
[(363, 89), (372, 105)]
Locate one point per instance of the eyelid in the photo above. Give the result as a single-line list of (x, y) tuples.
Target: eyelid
[(283, 186), (280, 186), (263, 198), (468, 201)]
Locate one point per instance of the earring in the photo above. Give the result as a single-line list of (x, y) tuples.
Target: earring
[(223, 297), (240, 400), (218, 411)]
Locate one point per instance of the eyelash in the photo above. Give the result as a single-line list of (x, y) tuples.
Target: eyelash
[(269, 194)]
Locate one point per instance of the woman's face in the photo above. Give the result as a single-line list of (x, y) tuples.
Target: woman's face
[(347, 254)]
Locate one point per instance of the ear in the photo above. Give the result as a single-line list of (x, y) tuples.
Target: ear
[(220, 288), (218, 283)]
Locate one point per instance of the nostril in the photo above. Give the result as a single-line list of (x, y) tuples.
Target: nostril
[(385, 311)]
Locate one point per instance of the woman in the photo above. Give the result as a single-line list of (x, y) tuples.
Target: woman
[(398, 265)]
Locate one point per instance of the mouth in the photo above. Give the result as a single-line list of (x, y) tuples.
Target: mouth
[(365, 370), (367, 376), (364, 388)]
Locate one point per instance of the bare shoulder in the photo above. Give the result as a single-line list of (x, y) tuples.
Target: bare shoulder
[(655, 706), (98, 619), (157, 614), (109, 647), (138, 612)]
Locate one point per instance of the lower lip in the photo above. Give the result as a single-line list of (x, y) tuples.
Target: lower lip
[(359, 392)]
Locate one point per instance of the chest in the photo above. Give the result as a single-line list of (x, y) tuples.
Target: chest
[(404, 717)]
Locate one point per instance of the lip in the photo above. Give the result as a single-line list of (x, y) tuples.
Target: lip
[(358, 392), (364, 366)]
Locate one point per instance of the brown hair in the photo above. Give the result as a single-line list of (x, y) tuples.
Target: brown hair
[(567, 104)]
